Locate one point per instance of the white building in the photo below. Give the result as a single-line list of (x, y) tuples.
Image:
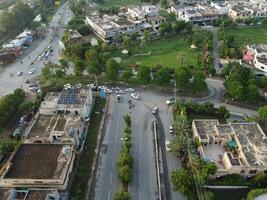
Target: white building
[(103, 29), (221, 7), (260, 57)]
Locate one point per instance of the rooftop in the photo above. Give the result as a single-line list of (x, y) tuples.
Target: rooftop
[(206, 127), (38, 161), (214, 153)]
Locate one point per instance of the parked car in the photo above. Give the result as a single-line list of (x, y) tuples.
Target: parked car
[(167, 145), (118, 98), (171, 130), (119, 92), (155, 110), (129, 90), (32, 71), (170, 101), (19, 73), (135, 96)]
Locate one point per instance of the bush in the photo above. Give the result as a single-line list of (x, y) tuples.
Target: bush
[(122, 195), (254, 193)]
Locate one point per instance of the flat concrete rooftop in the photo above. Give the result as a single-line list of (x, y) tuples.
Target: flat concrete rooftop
[(36, 161)]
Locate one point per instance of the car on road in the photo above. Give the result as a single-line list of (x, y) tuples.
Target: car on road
[(170, 101), (32, 71), (129, 90), (171, 130), (135, 96), (155, 110), (19, 73), (167, 145), (118, 98)]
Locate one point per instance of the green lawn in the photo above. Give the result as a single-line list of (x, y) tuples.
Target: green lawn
[(170, 52), (249, 35), (119, 3)]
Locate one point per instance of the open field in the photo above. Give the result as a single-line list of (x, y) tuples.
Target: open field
[(170, 52), (249, 35), (119, 3)]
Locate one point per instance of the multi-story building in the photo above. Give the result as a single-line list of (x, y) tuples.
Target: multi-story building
[(259, 56), (236, 148), (103, 29)]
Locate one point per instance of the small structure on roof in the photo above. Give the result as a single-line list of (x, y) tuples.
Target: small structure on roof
[(125, 51)]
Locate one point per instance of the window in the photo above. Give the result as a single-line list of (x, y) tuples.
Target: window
[(253, 171), (265, 171), (242, 171), (215, 142)]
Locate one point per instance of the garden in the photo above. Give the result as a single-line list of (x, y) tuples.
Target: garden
[(171, 52)]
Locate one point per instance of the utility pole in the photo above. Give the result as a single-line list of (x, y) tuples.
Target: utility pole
[(175, 90)]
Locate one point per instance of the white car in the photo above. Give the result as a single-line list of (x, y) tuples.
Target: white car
[(167, 145), (171, 131), (19, 73), (119, 92), (129, 90), (170, 101), (135, 96), (155, 110), (32, 71)]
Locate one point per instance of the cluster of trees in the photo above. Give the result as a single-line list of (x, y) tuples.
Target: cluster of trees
[(9, 105), (125, 162), (229, 45), (15, 20), (192, 176), (206, 108), (240, 83), (172, 26)]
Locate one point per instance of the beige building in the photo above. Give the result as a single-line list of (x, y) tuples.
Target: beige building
[(39, 166), (239, 148)]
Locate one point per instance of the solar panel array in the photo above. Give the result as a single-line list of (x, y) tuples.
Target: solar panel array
[(69, 96)]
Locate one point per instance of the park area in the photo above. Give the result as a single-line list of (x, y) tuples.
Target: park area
[(170, 52), (249, 35)]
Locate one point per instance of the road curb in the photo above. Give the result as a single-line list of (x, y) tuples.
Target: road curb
[(100, 137)]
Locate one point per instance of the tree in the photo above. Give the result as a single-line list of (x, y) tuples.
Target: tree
[(126, 41), (263, 112), (127, 120), (236, 90), (93, 58), (79, 67), (127, 74), (183, 181), (264, 21), (64, 64), (162, 76), (112, 69), (125, 173), (178, 144), (143, 74), (7, 146), (252, 92), (122, 195), (199, 85), (84, 29), (224, 112), (259, 180), (182, 76)]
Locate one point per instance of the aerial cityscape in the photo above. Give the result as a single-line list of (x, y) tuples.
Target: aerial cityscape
[(133, 100)]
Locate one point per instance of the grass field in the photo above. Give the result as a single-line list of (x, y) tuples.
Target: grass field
[(119, 3), (170, 52), (249, 35)]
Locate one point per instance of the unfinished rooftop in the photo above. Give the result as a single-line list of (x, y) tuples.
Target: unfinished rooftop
[(240, 144), (39, 161)]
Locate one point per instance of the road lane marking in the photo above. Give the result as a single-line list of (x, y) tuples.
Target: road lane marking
[(109, 195), (110, 179)]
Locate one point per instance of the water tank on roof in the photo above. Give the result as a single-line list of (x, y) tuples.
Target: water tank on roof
[(66, 150)]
